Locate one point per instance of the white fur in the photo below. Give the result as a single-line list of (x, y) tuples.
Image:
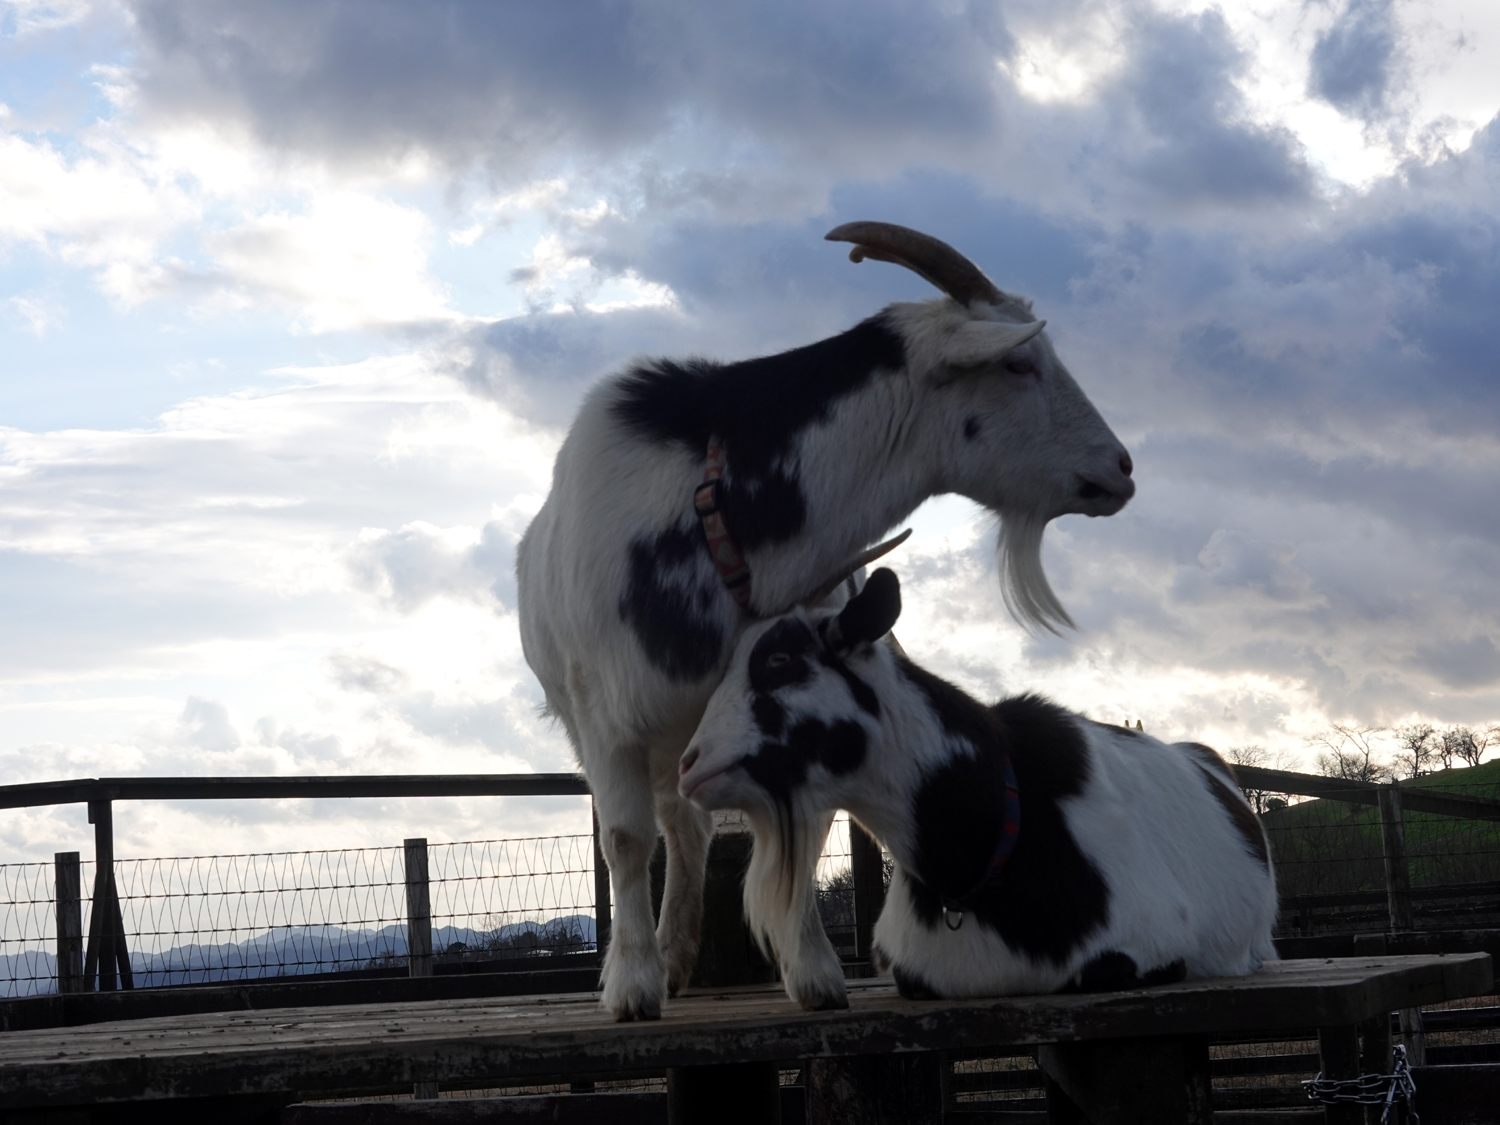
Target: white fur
[(881, 451), (1182, 882)]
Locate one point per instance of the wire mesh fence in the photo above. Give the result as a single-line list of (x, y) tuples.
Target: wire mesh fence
[(215, 918), (1331, 860)]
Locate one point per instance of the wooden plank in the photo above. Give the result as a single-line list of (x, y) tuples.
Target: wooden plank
[(462, 1042), (32, 1013), (569, 1109), (1415, 798), (287, 788)]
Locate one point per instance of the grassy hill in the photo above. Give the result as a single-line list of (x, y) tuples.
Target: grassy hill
[(1324, 846)]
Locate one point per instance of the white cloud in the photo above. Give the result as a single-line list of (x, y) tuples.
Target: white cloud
[(346, 261)]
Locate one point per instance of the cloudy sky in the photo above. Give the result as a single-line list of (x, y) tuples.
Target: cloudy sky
[(297, 300)]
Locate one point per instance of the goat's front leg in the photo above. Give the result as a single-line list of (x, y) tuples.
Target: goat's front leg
[(634, 979), (810, 969), (689, 831)]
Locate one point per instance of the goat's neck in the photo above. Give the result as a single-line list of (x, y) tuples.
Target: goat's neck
[(861, 472), (912, 743)]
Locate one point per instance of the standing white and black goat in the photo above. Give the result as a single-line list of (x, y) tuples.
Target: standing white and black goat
[(691, 498), (1034, 849)]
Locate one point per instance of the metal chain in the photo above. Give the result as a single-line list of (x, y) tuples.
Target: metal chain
[(1371, 1089)]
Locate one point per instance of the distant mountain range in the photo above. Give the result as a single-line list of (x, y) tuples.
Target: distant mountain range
[(288, 951)]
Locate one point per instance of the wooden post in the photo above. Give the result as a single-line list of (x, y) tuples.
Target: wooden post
[(899, 1089), (108, 954), (867, 867), (1375, 1055), (1338, 1057), (1397, 873), (418, 910), (601, 895), (69, 898), (418, 932), (1398, 898), (1125, 1081)]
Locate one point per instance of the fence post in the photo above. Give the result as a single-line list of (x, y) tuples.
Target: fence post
[(1397, 874), (69, 898), (867, 870), (107, 953), (1398, 898), (601, 895), (418, 910)]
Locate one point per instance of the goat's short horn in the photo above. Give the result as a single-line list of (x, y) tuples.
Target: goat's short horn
[(930, 257), (864, 558)]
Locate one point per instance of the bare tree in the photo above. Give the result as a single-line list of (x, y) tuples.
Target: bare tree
[(1483, 740), (1466, 744), (1349, 753), (1254, 754), (1415, 748)]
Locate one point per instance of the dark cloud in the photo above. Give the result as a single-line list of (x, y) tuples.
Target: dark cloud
[(1352, 61), (1198, 144), (510, 83)]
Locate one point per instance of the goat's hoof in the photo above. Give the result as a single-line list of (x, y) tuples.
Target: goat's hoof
[(820, 992), (638, 1000), (824, 1003), (680, 958)]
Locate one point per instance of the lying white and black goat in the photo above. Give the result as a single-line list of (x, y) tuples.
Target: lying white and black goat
[(691, 498), (1034, 850)]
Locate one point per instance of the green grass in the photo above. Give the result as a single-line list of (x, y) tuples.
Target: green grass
[(1325, 846)]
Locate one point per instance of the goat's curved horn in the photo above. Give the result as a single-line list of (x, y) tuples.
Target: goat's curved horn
[(864, 558), (931, 257)]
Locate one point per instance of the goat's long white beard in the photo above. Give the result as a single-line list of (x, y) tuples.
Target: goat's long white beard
[(1023, 583), (783, 866)]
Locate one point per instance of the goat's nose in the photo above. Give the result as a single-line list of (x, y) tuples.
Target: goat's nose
[(687, 761), (1126, 464)]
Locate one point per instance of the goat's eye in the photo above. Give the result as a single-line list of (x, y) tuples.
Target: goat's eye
[(777, 659), (1020, 366)]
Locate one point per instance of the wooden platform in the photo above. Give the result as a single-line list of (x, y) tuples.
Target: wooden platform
[(495, 1041)]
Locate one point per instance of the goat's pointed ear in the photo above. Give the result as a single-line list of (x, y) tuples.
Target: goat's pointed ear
[(869, 614), (978, 342)]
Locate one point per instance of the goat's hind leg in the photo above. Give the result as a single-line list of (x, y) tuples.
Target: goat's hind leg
[(689, 832)]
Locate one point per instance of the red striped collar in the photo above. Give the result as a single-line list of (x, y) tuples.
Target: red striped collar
[(707, 501)]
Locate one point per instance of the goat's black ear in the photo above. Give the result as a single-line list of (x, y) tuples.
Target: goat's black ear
[(871, 612)]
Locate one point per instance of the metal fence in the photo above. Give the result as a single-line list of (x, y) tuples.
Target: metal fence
[(207, 919), (1378, 857)]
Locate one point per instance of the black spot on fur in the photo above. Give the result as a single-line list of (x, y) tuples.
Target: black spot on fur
[(1108, 972), (757, 407), (671, 603), (1244, 820), (1048, 898), (1166, 974), (844, 748), (1208, 758), (784, 657), (971, 427), (770, 716), (863, 693), (911, 985), (1115, 971), (778, 768)]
